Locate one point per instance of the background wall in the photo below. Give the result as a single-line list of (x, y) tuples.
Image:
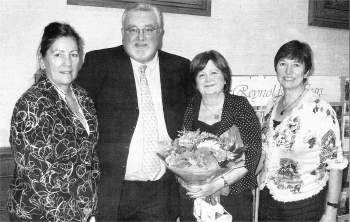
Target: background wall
[(247, 33)]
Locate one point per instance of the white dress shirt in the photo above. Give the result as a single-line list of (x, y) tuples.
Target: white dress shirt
[(135, 158)]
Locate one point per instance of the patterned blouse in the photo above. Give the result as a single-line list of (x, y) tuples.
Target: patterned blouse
[(301, 149), (57, 168), (236, 111)]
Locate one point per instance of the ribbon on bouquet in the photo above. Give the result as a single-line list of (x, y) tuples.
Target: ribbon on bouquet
[(205, 212)]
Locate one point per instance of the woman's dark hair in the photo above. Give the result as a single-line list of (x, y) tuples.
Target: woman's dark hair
[(295, 50), (52, 32), (200, 61)]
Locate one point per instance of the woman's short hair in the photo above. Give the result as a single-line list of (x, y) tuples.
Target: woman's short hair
[(52, 32), (295, 50), (200, 61), (144, 7)]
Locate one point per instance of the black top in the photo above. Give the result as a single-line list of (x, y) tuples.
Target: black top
[(276, 123), (236, 111), (203, 127)]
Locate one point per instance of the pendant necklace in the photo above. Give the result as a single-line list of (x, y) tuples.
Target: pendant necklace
[(284, 109), (216, 116)]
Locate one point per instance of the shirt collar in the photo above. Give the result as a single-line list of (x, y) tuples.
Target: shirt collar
[(150, 65)]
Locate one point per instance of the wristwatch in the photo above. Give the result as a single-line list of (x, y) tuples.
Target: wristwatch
[(332, 205)]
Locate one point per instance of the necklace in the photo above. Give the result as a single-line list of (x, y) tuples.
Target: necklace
[(284, 109), (216, 116)]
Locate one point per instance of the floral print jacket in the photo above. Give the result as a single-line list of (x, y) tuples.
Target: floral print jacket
[(301, 149), (57, 167)]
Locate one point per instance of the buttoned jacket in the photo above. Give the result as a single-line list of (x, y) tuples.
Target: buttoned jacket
[(108, 77)]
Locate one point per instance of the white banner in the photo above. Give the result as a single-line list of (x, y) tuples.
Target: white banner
[(260, 89)]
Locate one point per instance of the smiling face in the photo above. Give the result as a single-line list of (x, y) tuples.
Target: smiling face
[(61, 61), (290, 73), (210, 80), (141, 46)]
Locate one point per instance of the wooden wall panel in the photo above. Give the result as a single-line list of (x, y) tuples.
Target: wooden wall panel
[(7, 165)]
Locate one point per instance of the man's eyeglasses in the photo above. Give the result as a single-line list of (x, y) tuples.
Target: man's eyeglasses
[(147, 31)]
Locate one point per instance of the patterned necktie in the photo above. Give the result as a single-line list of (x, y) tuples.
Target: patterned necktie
[(150, 165)]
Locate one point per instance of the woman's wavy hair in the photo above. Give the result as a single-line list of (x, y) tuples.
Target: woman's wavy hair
[(200, 61)]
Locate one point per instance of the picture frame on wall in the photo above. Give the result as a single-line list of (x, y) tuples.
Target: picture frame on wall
[(345, 131), (345, 94), (345, 125), (197, 7), (329, 13), (343, 203)]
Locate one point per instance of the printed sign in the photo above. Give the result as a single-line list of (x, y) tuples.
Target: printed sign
[(260, 89)]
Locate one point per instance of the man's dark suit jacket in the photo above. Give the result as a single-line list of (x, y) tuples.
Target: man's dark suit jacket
[(107, 76)]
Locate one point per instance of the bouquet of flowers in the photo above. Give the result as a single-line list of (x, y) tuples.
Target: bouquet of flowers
[(200, 157)]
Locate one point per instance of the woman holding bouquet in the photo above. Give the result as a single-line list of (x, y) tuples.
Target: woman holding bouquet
[(301, 178), (215, 111)]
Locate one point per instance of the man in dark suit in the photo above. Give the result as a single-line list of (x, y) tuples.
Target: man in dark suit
[(135, 185)]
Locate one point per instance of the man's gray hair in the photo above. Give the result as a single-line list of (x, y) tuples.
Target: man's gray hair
[(145, 8)]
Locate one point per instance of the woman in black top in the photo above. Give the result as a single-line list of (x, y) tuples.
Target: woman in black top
[(216, 111)]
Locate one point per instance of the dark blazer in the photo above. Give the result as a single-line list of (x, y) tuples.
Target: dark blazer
[(107, 76), (55, 157)]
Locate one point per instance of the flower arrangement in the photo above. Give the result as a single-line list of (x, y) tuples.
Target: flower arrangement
[(199, 157)]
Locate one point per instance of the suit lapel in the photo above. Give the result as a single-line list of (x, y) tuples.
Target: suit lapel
[(87, 110), (123, 70), (165, 76)]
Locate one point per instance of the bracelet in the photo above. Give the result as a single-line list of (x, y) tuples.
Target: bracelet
[(332, 205), (225, 182)]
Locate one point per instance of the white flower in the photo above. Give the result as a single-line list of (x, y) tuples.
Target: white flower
[(308, 135), (211, 144)]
